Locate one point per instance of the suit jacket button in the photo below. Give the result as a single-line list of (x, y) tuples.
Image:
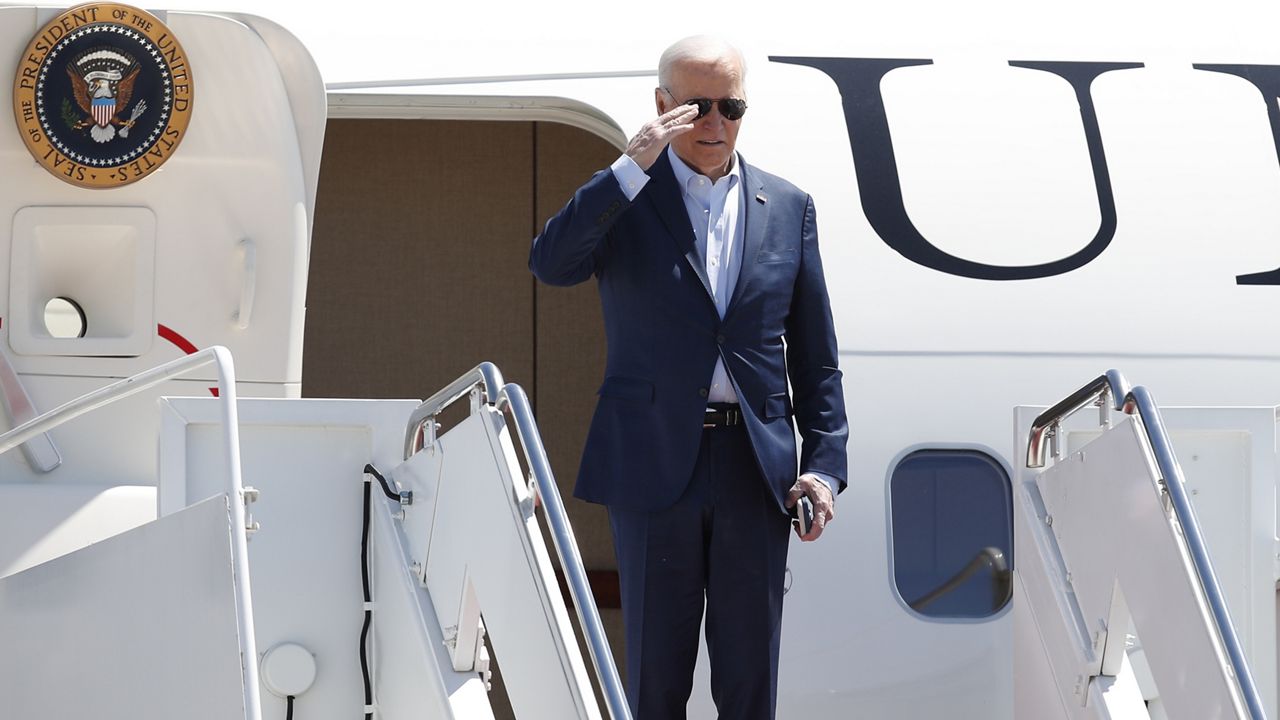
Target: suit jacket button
[(719, 339), (702, 392)]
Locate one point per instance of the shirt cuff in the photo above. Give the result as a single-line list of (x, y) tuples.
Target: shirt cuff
[(828, 480), (631, 179)]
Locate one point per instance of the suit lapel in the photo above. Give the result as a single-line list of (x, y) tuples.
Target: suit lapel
[(755, 213), (668, 199)]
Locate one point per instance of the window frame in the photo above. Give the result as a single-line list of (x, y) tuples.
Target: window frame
[(998, 460)]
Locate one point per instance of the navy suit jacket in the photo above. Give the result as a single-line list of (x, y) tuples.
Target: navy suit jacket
[(664, 335)]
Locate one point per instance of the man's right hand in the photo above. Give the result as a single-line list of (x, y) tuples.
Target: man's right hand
[(645, 147)]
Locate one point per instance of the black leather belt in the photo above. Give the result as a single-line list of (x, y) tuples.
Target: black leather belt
[(722, 416)]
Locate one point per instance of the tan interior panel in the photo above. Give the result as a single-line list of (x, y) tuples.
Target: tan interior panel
[(419, 257)]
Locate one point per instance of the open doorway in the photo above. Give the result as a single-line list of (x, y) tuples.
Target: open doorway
[(419, 271)]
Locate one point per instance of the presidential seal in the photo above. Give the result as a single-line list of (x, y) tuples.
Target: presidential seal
[(103, 95)]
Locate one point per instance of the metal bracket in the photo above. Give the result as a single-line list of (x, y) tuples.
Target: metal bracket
[(429, 429), (250, 495)]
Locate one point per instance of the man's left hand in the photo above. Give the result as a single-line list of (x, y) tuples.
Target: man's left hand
[(824, 506)]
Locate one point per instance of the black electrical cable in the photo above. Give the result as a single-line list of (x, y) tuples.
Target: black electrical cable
[(364, 577), (288, 707), (386, 489)]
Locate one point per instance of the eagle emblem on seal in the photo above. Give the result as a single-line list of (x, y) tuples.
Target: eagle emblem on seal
[(102, 81)]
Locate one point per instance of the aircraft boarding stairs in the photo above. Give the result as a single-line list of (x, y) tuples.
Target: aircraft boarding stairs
[(329, 557), (1122, 592)]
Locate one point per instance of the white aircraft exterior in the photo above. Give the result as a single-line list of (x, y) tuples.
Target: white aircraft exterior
[(1012, 199)]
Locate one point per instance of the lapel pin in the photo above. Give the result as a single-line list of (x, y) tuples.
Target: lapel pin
[(761, 198)]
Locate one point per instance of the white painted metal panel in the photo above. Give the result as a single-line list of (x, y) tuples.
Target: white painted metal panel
[(485, 542), (39, 522), (1228, 456), (1116, 539), (1035, 690), (140, 626), (1052, 648), (306, 457), (105, 257), (412, 666)]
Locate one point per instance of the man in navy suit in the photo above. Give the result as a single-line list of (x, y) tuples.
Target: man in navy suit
[(713, 297)]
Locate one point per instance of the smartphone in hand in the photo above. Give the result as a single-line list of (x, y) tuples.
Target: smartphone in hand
[(802, 514)]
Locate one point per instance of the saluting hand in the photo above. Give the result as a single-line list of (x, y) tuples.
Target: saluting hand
[(645, 147), (824, 506)]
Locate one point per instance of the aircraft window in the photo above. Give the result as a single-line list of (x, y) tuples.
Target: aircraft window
[(951, 513)]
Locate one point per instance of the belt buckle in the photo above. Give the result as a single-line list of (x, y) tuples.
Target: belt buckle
[(728, 417)]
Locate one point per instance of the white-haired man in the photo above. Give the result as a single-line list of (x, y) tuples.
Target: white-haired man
[(714, 298)]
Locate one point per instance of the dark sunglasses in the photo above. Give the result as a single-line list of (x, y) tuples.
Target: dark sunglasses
[(730, 108)]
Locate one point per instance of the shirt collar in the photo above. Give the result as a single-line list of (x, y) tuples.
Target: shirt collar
[(685, 174)]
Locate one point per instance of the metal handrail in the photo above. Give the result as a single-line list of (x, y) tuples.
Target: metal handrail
[(1171, 473), (121, 389), (42, 455), (512, 396), (1138, 402), (485, 377), (487, 380), (1044, 429)]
